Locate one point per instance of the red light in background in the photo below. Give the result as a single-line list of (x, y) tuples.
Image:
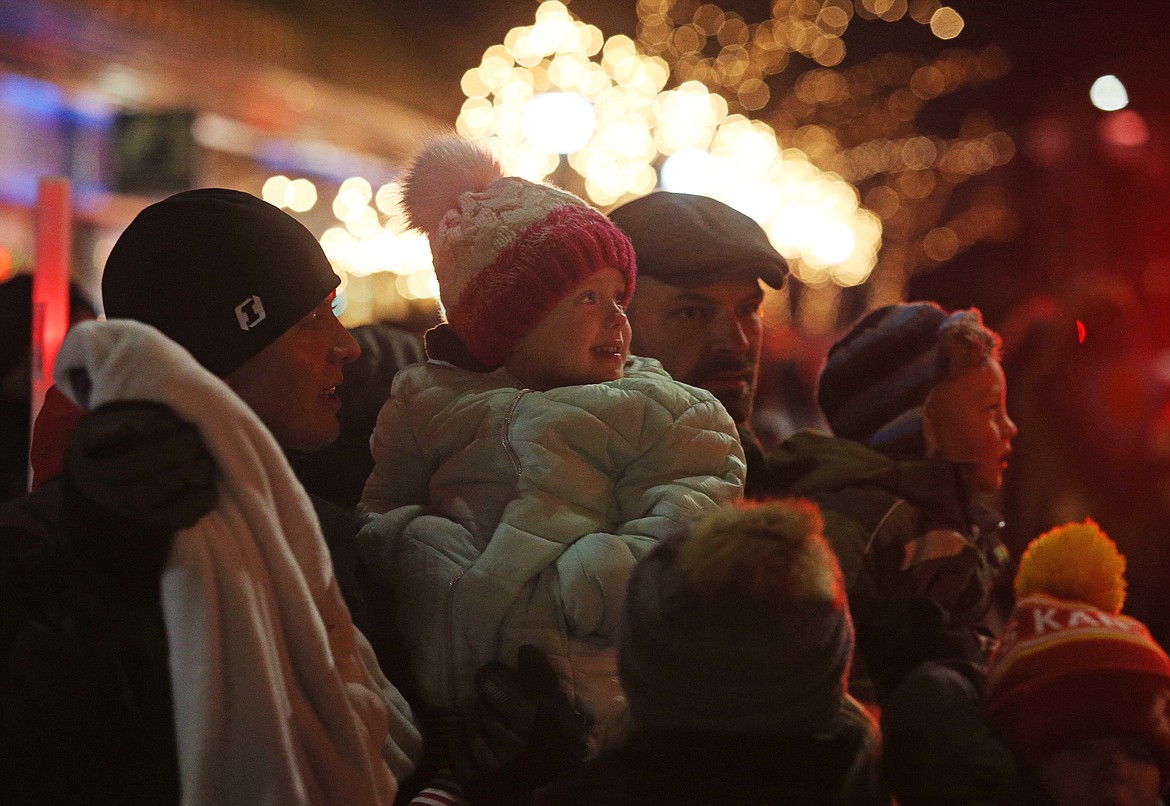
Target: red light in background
[(50, 296), (1126, 129), (1080, 332)]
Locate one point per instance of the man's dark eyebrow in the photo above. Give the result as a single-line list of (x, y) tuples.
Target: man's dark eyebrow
[(690, 295)]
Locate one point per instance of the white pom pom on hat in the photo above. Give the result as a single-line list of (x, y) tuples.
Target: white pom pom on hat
[(446, 169)]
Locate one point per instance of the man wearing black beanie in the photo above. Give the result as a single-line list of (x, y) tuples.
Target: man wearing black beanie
[(247, 290)]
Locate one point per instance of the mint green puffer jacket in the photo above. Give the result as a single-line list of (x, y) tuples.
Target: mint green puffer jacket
[(503, 516)]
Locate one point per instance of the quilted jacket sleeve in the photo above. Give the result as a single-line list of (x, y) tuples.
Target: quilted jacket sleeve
[(691, 462), (401, 468)]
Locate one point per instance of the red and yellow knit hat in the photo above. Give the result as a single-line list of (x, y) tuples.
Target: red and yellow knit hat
[(505, 250), (1069, 666)]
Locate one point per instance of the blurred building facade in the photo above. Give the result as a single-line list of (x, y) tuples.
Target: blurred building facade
[(136, 99)]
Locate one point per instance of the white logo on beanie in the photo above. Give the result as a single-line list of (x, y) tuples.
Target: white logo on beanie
[(250, 312)]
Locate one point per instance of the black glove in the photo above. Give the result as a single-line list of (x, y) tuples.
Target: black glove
[(521, 733), (139, 462), (134, 474)]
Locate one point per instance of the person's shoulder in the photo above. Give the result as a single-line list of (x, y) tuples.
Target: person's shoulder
[(815, 458), (646, 377), (440, 380)]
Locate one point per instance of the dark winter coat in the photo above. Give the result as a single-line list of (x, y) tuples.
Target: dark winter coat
[(938, 748), (668, 768), (920, 558), (85, 692)]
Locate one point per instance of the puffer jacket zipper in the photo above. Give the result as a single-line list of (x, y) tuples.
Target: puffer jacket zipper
[(505, 427)]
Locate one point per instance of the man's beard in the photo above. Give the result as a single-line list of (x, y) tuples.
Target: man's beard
[(738, 404)]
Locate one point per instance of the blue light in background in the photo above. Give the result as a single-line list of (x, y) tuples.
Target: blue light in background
[(61, 136), (31, 96)]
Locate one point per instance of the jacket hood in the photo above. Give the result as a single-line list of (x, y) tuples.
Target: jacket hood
[(808, 463)]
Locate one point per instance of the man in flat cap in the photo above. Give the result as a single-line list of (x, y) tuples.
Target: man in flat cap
[(696, 307)]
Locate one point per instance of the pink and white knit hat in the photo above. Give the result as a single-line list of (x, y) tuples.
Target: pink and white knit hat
[(505, 250)]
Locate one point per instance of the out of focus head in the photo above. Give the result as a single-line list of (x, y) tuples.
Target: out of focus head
[(911, 380), (700, 263), (1080, 692), (247, 290), (739, 625), (520, 267)]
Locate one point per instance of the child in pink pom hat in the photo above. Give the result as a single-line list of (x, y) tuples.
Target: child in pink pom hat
[(531, 461)]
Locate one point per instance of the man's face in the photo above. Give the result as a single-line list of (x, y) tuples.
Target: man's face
[(292, 383), (708, 336)]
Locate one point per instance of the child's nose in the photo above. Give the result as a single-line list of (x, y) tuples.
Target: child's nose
[(1009, 427)]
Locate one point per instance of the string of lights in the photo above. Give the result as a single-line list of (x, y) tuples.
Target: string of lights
[(830, 163)]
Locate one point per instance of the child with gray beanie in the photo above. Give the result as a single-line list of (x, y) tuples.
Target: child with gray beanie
[(915, 397), (734, 653)]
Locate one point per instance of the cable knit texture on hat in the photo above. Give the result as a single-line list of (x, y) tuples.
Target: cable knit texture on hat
[(1069, 666), (505, 250), (738, 626), (219, 271)]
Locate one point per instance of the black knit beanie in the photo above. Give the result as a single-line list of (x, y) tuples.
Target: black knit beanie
[(221, 272), (877, 376)]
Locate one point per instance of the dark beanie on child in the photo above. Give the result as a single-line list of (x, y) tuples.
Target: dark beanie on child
[(878, 375), (219, 271), (739, 625)]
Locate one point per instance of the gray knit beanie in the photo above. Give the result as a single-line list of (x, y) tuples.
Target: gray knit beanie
[(738, 626), (878, 375), (219, 271)]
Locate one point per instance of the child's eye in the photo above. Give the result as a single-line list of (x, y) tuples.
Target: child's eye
[(589, 297)]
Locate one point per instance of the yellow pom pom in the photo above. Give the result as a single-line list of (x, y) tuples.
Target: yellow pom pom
[(769, 553), (1076, 561)]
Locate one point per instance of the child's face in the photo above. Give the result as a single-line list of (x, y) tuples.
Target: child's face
[(1106, 771), (584, 339), (965, 420)]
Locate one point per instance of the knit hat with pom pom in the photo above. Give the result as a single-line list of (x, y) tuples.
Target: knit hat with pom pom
[(505, 250), (877, 377), (739, 625), (1068, 666)]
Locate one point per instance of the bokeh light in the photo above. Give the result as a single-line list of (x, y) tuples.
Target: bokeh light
[(855, 124), (560, 122), (636, 125), (1108, 94)]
